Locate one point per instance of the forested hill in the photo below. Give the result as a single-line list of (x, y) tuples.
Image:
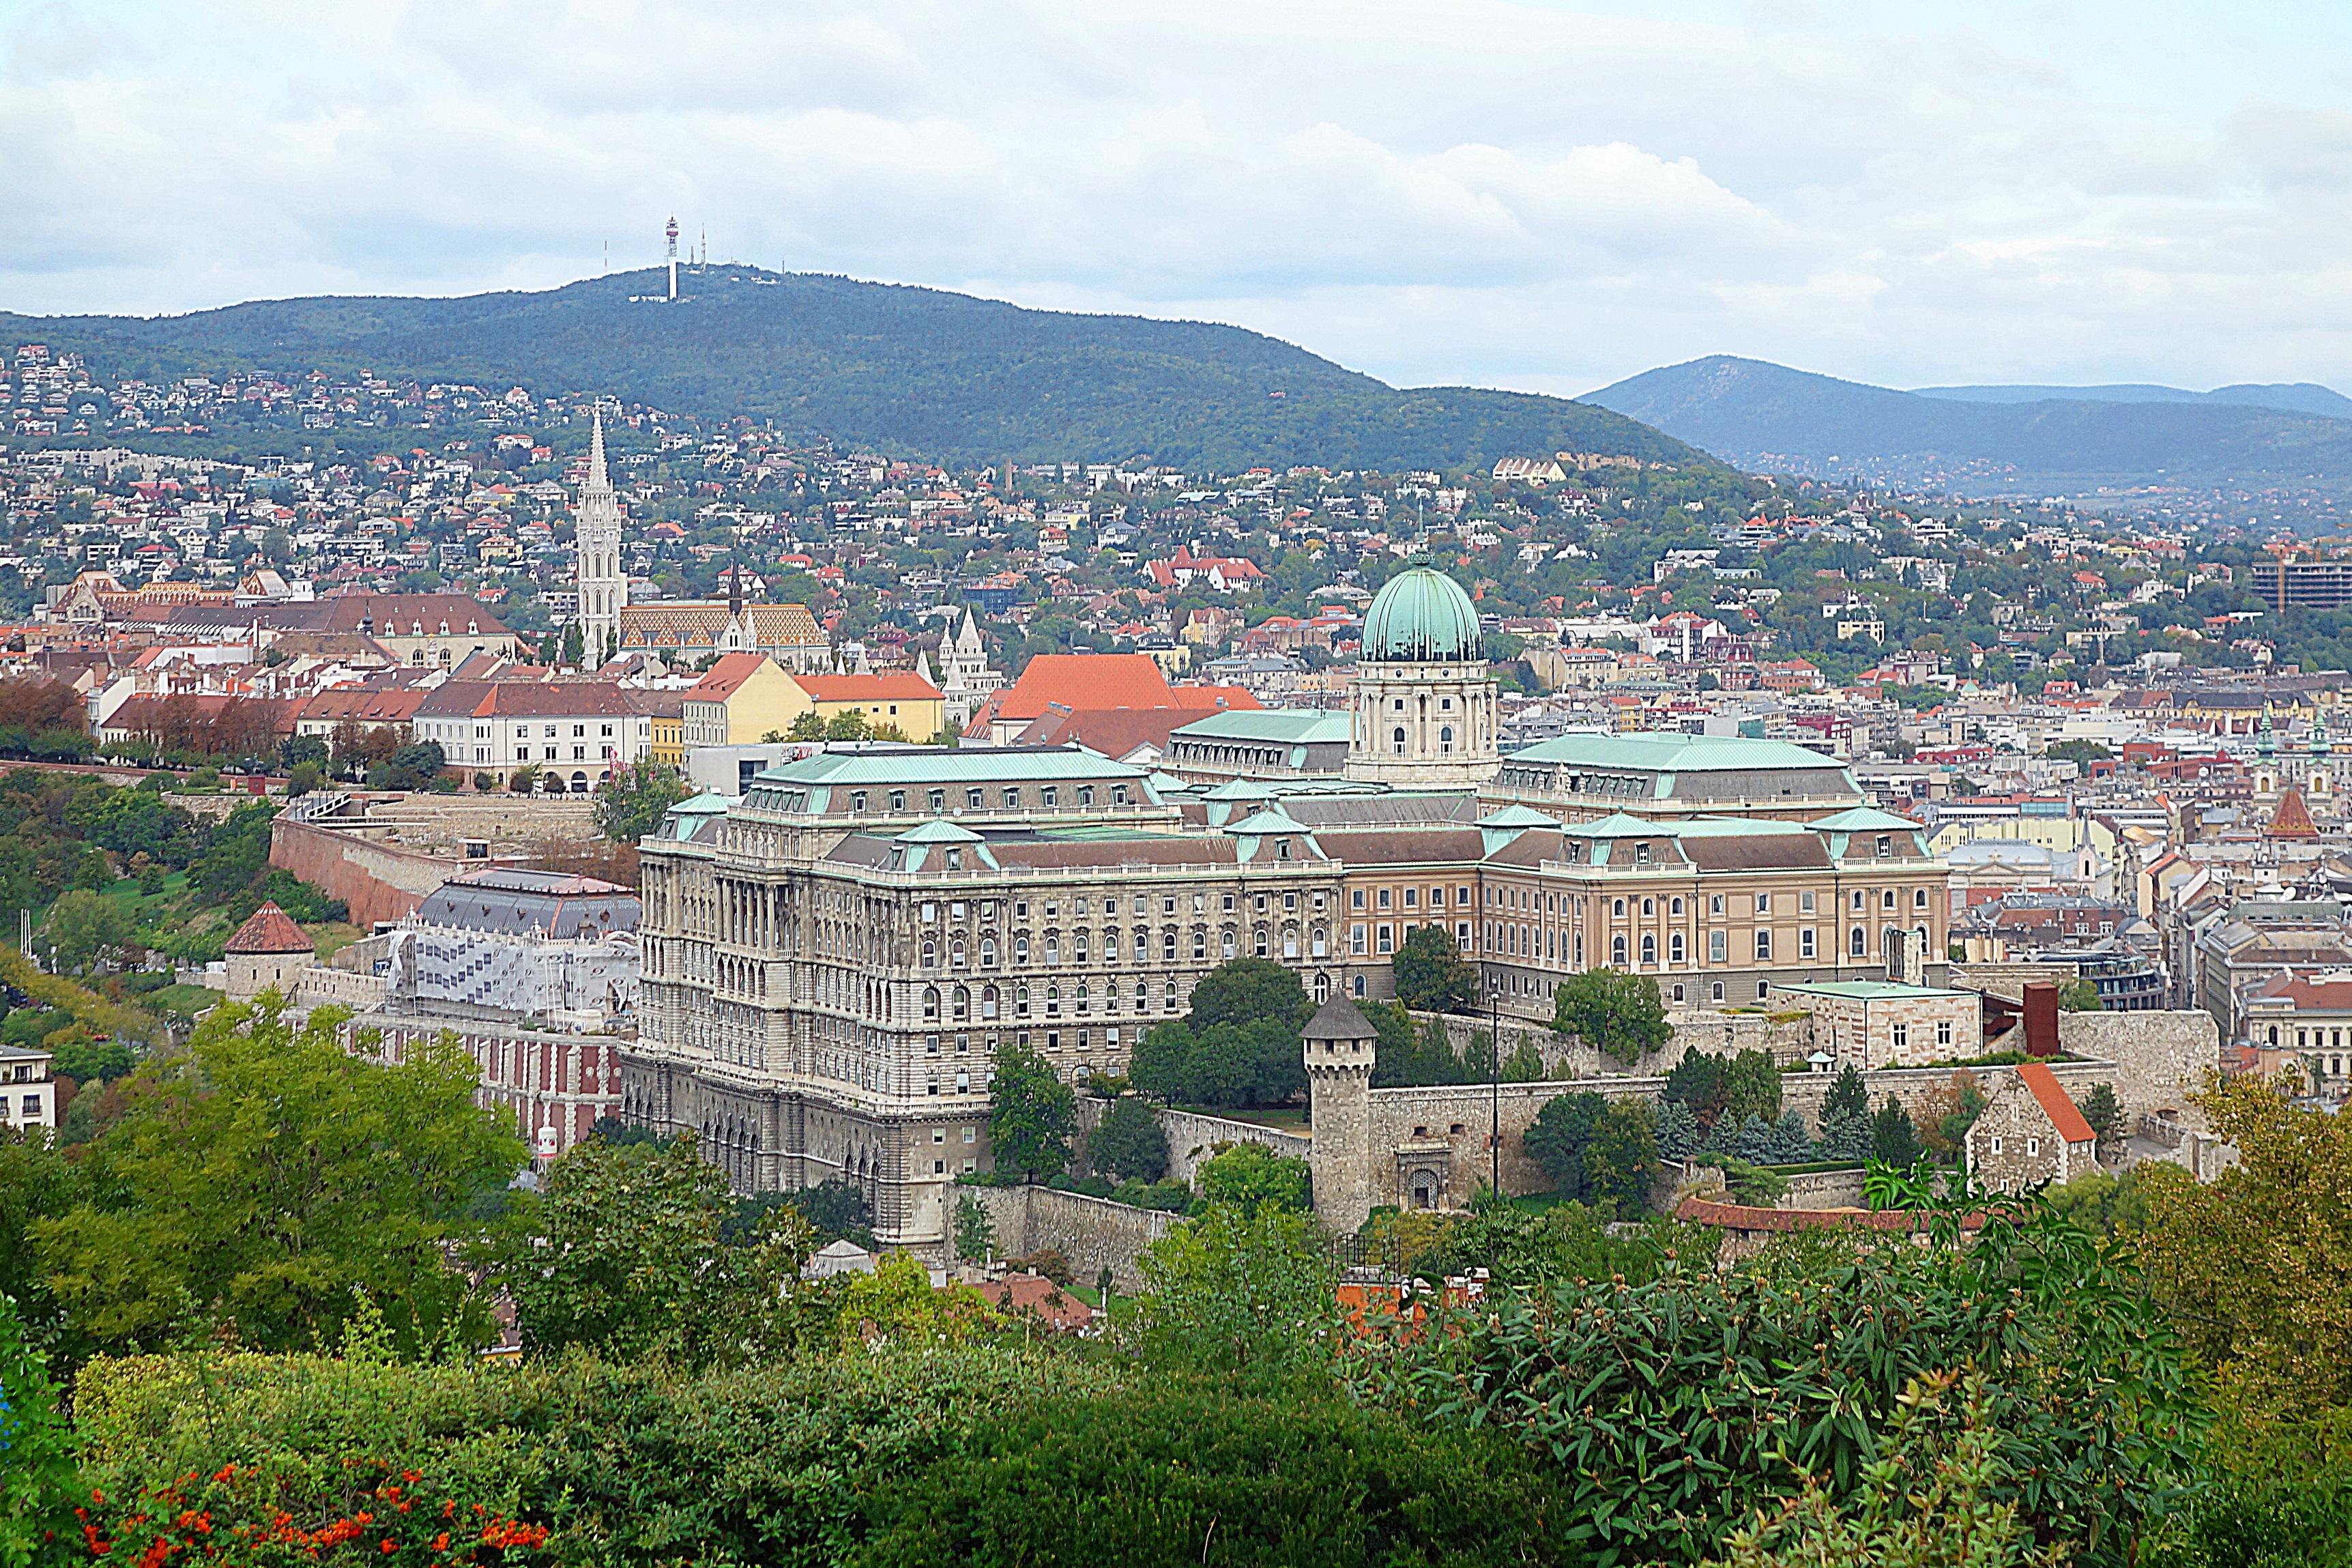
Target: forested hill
[(905, 369), (1766, 417)]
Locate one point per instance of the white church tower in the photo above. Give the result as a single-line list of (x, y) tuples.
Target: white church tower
[(596, 539)]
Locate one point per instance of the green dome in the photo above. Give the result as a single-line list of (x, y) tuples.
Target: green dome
[(1421, 617)]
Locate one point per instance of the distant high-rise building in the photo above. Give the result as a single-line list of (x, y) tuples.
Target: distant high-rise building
[(597, 537)]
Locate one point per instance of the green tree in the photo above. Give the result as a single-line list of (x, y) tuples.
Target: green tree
[(849, 724), (633, 800), (836, 1209), (266, 1180), (2078, 995), (1525, 1064), (1678, 1131), (87, 928), (1128, 1144), (39, 1486), (1248, 1176), (1247, 1295), (975, 1232), (1162, 1060), (1621, 1156), (1892, 1140), (1698, 1082), (1617, 1014), (808, 726), (2099, 1109), (1751, 1086), (1431, 974), (1556, 1141), (1250, 991), (1845, 1119), (1031, 1114)]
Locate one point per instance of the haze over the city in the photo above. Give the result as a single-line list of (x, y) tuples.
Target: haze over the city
[(1535, 196)]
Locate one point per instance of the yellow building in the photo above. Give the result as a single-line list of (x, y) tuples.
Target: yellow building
[(908, 702), (666, 711), (743, 699)]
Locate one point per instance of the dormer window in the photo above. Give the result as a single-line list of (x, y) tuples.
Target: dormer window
[(1282, 848), (1886, 846), (1640, 854)]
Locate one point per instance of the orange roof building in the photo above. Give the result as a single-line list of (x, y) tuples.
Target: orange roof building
[(2292, 819), (269, 952)]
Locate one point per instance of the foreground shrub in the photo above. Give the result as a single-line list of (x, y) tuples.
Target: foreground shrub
[(1182, 1473)]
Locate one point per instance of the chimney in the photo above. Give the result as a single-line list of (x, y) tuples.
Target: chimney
[(2041, 1018)]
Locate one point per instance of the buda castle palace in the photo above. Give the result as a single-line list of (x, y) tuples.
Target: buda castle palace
[(828, 963)]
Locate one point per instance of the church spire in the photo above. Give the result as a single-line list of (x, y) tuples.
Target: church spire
[(597, 480)]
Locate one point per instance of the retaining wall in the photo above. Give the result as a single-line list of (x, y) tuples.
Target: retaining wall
[(378, 879), (1192, 1138), (2158, 1057), (1092, 1233)]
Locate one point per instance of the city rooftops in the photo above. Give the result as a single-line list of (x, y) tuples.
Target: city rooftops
[(1276, 726), (876, 763), (511, 901)]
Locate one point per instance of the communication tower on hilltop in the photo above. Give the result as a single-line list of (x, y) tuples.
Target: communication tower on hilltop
[(673, 257)]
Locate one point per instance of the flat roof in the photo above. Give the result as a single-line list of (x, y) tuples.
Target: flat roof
[(1286, 726), (1674, 753)]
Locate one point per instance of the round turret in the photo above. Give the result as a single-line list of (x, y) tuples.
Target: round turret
[(1421, 616)]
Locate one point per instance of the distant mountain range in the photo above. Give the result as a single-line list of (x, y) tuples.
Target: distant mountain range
[(908, 371), (2000, 440)]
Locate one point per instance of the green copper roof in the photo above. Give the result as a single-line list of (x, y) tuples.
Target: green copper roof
[(1282, 726), (937, 831), (1864, 819), (1517, 815), (1675, 753), (1421, 616), (1619, 824)]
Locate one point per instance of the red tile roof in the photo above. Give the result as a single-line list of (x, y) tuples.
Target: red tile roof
[(2062, 1113), (727, 677), (897, 686), (1035, 1293), (1079, 681), (271, 929)]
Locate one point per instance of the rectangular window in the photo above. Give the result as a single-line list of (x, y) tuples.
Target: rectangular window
[(1387, 937), (1805, 902), (1011, 800), (1805, 943), (1356, 939), (1944, 1031), (1902, 1035), (1763, 903)]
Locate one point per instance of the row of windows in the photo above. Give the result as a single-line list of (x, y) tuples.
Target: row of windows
[(1049, 797), (1261, 944)]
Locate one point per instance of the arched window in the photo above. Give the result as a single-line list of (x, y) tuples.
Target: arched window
[(988, 952), (1261, 941), (1077, 947), (1020, 950), (1649, 907), (1675, 907), (956, 953), (1322, 988), (1861, 943), (1053, 1000), (930, 1002), (1225, 941), (930, 954), (988, 1001), (1619, 911), (1318, 941), (1445, 737), (1053, 948), (1396, 741), (961, 1000), (1290, 941), (1021, 1002), (1649, 950), (1675, 947), (1920, 935)]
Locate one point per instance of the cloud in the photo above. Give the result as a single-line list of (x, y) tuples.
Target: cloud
[(1431, 190)]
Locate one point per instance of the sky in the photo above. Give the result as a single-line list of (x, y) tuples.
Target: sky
[(1541, 197)]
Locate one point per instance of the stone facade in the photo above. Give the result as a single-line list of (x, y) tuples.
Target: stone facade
[(2158, 1057), (2030, 1132), (1094, 1234), (1193, 1139), (1868, 1024)]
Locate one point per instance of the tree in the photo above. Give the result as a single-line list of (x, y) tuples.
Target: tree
[(1031, 1114), (1431, 974), (296, 750), (1247, 1176), (1751, 1086), (1893, 1140), (1557, 1139), (849, 724), (2253, 1265), (266, 1181), (1698, 1082), (524, 780), (1791, 1144), (836, 1209), (808, 726), (1128, 1144), (1615, 1013), (634, 798), (1525, 1064), (1845, 1119), (2079, 996), (1250, 991), (87, 928), (1678, 1131), (1621, 1157), (1161, 1059), (2100, 1110), (975, 1232), (1239, 1293)]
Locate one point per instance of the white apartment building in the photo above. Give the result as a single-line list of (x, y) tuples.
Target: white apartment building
[(574, 731)]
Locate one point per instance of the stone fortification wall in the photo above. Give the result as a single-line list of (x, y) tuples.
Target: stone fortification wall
[(1092, 1233), (1194, 1138), (508, 823), (1913, 1087), (1788, 1035), (380, 880), (1823, 1190), (2158, 1057), (1445, 1128), (321, 985), (2007, 981)]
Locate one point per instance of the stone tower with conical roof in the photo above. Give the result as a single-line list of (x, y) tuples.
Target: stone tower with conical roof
[(1340, 1044), (1425, 711), (596, 539)]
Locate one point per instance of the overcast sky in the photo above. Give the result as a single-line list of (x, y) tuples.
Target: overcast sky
[(1533, 195)]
